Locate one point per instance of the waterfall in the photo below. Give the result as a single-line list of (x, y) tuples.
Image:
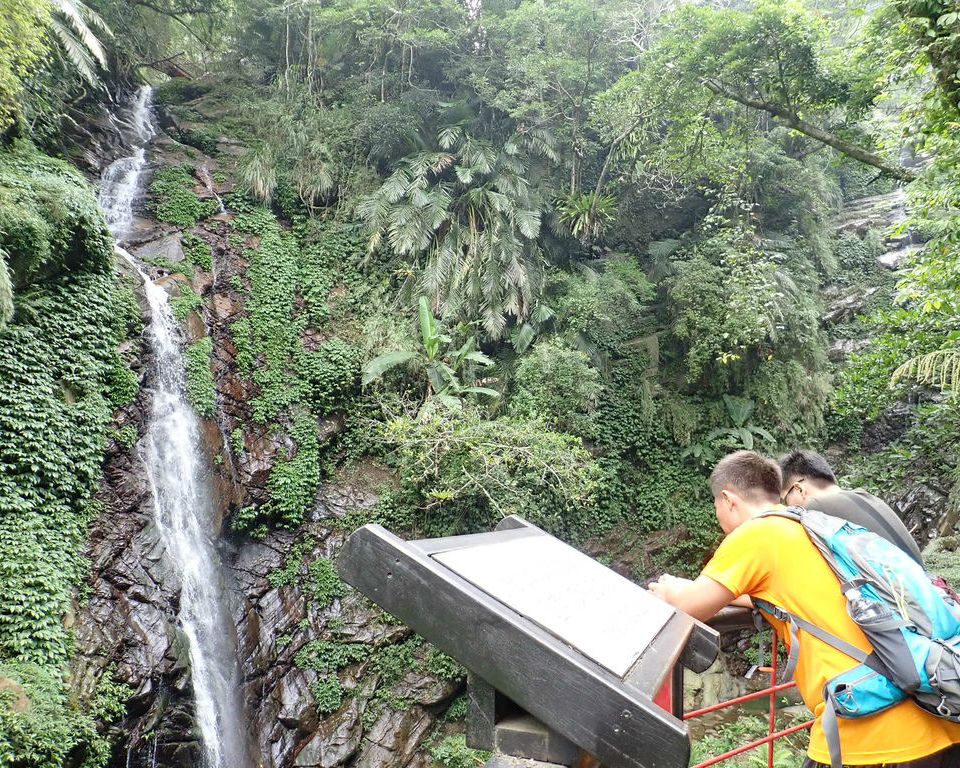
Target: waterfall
[(120, 182), (183, 510), (207, 179)]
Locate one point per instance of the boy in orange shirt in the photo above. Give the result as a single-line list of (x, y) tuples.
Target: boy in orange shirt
[(772, 559)]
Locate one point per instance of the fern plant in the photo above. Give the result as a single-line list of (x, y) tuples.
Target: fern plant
[(72, 24), (296, 152), (586, 214), (469, 220), (940, 369)]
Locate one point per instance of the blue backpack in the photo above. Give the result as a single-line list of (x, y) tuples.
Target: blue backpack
[(912, 624)]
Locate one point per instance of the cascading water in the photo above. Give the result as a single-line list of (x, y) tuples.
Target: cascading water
[(120, 182), (183, 510), (207, 179)]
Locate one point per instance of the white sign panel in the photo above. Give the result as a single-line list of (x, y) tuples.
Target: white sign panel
[(606, 617)]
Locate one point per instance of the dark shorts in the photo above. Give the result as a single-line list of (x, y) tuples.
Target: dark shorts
[(947, 758)]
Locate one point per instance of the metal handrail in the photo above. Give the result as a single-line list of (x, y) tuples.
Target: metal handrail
[(772, 735)]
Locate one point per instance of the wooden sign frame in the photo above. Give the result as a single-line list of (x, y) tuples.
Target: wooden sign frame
[(614, 719)]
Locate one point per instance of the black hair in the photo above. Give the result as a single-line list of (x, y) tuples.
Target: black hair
[(747, 474), (807, 464)]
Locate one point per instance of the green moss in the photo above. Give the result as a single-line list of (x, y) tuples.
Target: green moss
[(198, 138), (178, 90), (198, 252), (201, 391), (174, 199), (58, 363)]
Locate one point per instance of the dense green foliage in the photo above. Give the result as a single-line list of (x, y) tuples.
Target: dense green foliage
[(58, 371), (621, 247), (201, 391), (174, 198), (558, 284)]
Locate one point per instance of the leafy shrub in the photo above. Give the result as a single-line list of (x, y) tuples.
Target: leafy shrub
[(606, 310), (327, 659), (292, 483), (174, 199), (453, 752), (236, 441), (58, 362), (863, 392), (323, 583), (558, 385), (198, 252), (188, 301), (198, 138), (49, 220), (330, 375), (789, 752), (461, 473), (201, 390)]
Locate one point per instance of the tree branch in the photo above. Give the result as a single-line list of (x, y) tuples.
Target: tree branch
[(792, 120)]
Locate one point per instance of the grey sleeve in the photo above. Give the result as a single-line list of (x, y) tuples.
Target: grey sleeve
[(863, 508)]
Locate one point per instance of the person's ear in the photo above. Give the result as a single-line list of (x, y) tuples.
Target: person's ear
[(729, 500)]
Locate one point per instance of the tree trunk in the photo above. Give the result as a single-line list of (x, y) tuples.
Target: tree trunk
[(791, 120)]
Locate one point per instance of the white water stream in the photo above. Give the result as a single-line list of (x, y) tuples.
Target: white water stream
[(178, 479)]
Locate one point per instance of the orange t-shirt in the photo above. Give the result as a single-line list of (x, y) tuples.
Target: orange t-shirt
[(772, 559)]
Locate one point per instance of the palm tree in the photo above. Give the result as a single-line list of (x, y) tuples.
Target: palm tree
[(470, 220), (295, 150), (72, 24)]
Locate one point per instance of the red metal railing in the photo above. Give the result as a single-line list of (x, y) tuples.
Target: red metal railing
[(773, 734)]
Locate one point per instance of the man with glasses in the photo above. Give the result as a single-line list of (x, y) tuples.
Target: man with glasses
[(809, 481)]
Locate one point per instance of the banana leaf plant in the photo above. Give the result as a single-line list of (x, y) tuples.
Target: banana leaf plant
[(443, 364)]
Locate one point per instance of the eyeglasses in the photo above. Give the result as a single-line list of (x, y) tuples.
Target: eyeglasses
[(795, 486)]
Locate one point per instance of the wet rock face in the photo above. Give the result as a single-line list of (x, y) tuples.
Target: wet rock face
[(130, 618), (923, 506), (128, 621), (276, 623)]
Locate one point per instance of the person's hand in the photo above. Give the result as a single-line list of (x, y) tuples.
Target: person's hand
[(667, 587)]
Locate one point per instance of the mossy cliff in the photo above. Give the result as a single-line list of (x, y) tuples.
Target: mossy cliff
[(65, 314), (280, 307)]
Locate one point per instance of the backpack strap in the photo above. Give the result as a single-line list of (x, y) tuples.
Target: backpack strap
[(791, 513), (831, 731), (797, 623), (828, 720)]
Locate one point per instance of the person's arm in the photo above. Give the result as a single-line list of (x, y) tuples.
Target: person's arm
[(701, 598)]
